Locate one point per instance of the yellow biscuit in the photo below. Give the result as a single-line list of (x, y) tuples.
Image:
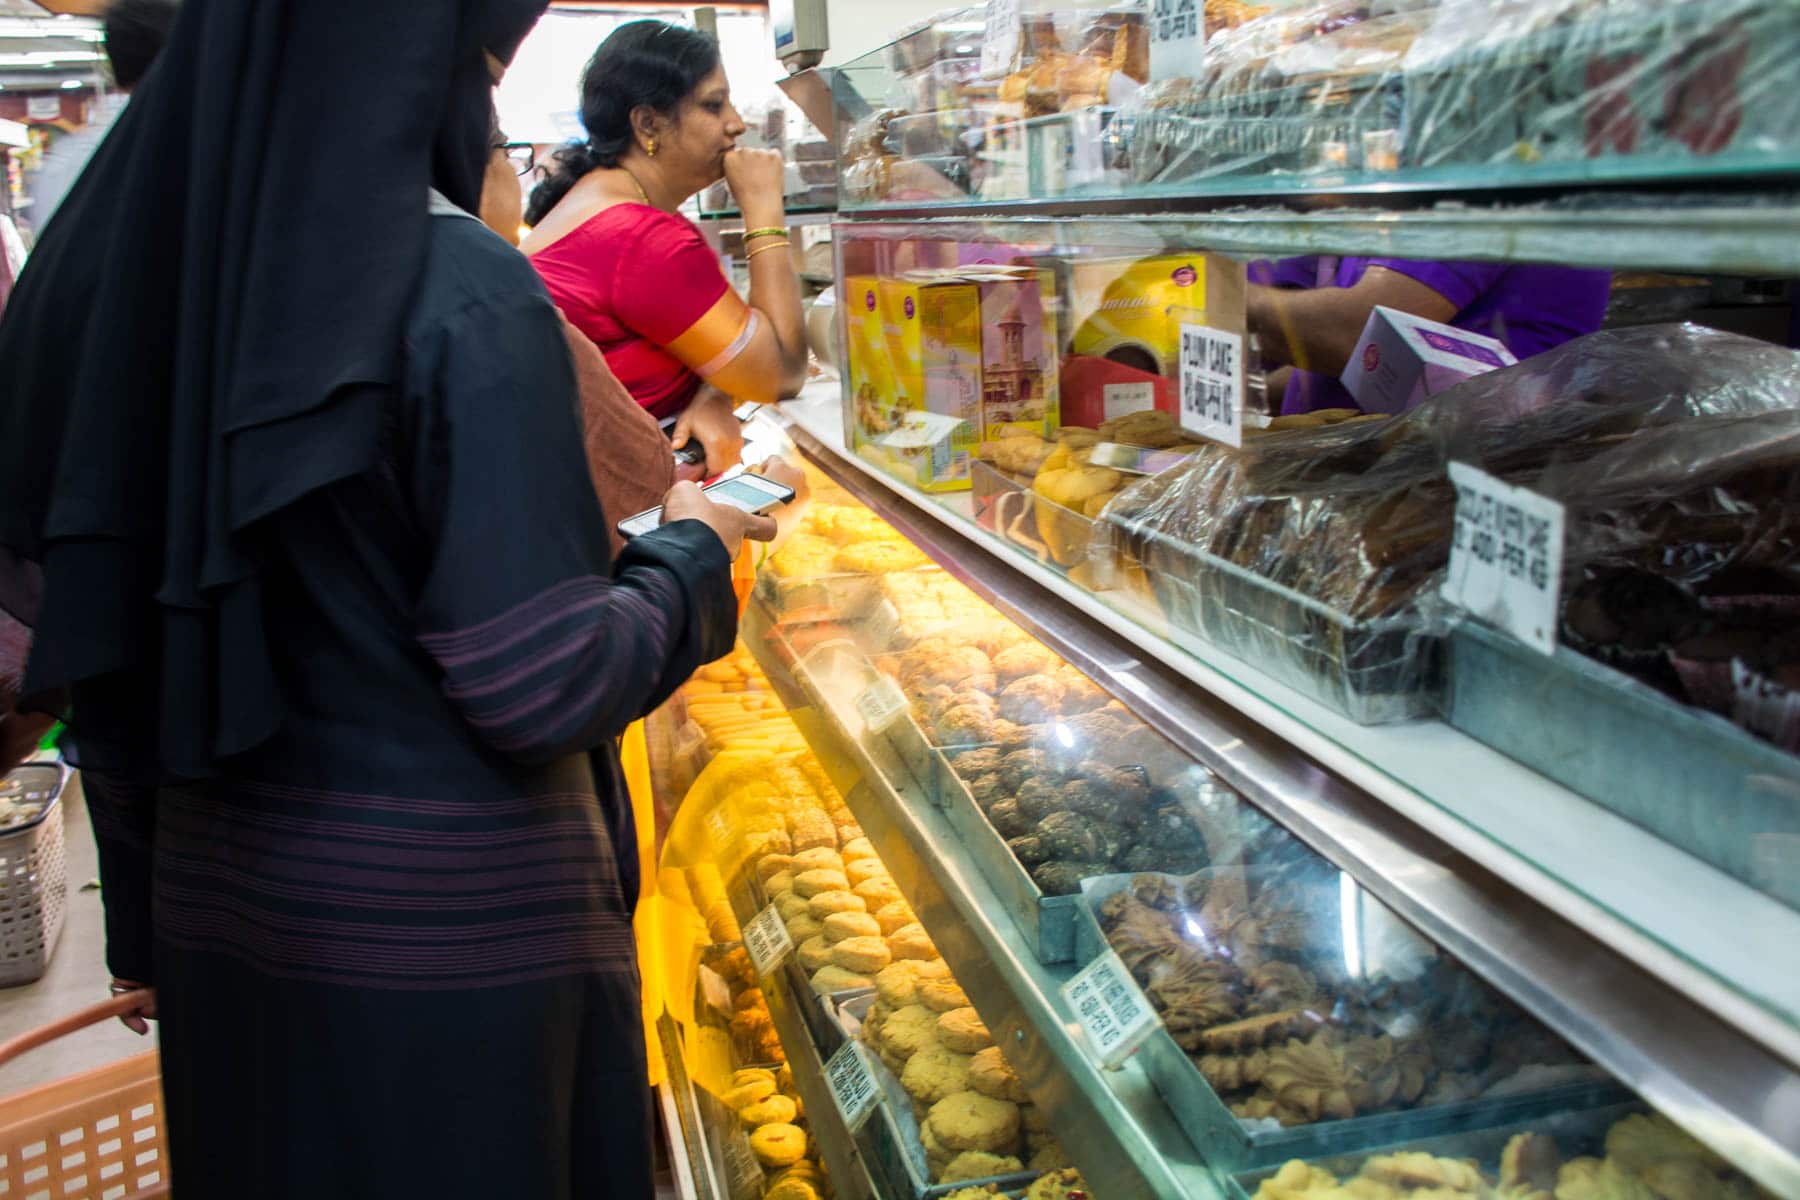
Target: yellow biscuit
[(862, 955), (814, 953), (898, 983), (778, 1145), (776, 1110), (780, 883), (833, 978), (751, 1075), (942, 995), (979, 1164), (895, 916), (804, 927), (864, 869), (858, 848), (792, 1189), (877, 893), (962, 1030), (754, 1091), (817, 859), (991, 1075), (811, 883), (911, 941), (935, 1072), (824, 904), (790, 906), (909, 1030), (971, 1121), (841, 925), (772, 864)]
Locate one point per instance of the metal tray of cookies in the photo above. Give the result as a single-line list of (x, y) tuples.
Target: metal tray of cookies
[(1580, 1134), (1233, 1145), (891, 1140)]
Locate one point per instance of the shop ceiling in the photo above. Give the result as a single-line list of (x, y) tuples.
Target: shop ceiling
[(42, 50)]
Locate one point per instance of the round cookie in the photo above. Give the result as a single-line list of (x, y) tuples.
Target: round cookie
[(972, 1121), (979, 1164), (770, 865), (751, 1091), (859, 848), (934, 1073), (912, 941), (804, 928), (778, 1145), (811, 883), (776, 1110), (790, 906), (823, 904), (751, 1075), (865, 869), (779, 883), (894, 917), (898, 983), (841, 925), (792, 1189), (1050, 1157), (990, 1075), (863, 955), (942, 995), (833, 978), (877, 893), (962, 1030), (909, 1030), (820, 858), (814, 952)]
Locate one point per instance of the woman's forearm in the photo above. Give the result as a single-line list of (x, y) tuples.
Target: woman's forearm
[(775, 293)]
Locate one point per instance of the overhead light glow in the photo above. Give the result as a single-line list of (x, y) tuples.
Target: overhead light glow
[(70, 85)]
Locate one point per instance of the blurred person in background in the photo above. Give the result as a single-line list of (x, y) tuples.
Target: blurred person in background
[(637, 277), (294, 500), (135, 31)]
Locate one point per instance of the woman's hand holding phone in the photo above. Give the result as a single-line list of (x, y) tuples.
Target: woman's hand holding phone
[(686, 502)]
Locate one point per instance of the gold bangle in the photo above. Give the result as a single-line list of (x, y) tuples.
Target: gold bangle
[(765, 231), (766, 246)]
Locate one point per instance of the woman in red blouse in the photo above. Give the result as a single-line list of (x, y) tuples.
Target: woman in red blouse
[(638, 278)]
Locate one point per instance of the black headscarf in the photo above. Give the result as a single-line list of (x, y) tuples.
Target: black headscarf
[(208, 331)]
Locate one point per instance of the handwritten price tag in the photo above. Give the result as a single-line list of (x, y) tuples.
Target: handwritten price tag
[(852, 1086), (1506, 556), (766, 940), (881, 704), (1000, 41), (1112, 1011), (1212, 383), (744, 1177)]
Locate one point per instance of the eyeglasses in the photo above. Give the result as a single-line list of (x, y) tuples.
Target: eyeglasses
[(522, 156)]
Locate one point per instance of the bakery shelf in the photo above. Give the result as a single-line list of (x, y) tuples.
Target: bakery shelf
[(1112, 1123), (1611, 948)]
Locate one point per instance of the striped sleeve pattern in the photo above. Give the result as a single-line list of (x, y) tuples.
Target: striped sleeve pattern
[(566, 669)]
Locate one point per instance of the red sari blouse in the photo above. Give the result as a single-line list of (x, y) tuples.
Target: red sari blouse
[(645, 287)]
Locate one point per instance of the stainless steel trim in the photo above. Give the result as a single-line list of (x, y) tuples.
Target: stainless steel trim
[(1704, 1072), (850, 1176)]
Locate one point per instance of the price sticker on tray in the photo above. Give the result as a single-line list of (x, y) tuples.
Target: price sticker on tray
[(1212, 383), (881, 704), (744, 1178), (1111, 1010), (852, 1085), (766, 940), (1506, 556)]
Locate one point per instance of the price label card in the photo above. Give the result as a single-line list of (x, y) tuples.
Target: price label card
[(853, 1087), (1177, 39), (766, 940), (1112, 1011), (1506, 556), (721, 828), (881, 704), (1212, 383), (1122, 399), (1000, 41), (744, 1179)]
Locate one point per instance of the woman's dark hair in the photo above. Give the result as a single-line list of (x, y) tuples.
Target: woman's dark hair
[(135, 33), (641, 63)]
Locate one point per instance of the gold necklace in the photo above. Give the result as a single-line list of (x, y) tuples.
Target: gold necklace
[(642, 195)]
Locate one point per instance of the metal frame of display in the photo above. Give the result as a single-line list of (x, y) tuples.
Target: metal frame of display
[(1550, 949)]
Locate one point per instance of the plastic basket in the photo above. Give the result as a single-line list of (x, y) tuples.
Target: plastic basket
[(99, 1135), (33, 881)]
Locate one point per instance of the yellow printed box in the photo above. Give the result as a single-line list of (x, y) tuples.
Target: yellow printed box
[(914, 357), (1129, 309)]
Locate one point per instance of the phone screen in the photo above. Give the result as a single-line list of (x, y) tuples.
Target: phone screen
[(740, 493)]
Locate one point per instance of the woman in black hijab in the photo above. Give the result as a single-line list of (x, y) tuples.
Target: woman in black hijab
[(294, 494)]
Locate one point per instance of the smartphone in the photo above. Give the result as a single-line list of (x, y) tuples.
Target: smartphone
[(752, 493)]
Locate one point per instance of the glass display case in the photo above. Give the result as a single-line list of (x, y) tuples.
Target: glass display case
[(1112, 103)]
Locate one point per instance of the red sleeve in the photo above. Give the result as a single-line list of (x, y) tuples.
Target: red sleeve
[(668, 280)]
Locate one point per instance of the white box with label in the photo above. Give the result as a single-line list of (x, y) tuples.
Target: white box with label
[(1401, 360)]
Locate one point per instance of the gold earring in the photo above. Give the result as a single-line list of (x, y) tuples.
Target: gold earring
[(650, 147)]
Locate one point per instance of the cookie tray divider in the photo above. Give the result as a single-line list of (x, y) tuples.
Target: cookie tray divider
[(1698, 781), (1229, 1146), (892, 1137)]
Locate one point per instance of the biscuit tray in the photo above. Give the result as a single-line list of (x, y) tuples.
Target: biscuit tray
[(1700, 782), (1576, 1134), (1231, 1145), (1373, 671), (891, 1139)]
